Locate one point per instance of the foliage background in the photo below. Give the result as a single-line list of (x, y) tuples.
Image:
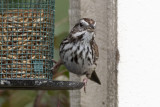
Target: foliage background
[(25, 98)]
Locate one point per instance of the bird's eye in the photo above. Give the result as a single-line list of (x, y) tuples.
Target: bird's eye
[(81, 24)]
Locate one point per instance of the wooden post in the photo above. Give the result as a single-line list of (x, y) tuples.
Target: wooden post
[(104, 12)]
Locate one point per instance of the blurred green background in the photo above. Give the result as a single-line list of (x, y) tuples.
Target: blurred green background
[(26, 98)]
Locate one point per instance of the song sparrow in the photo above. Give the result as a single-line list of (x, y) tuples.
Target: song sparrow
[(79, 51)]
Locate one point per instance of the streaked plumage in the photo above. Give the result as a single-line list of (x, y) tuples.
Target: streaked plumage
[(79, 51)]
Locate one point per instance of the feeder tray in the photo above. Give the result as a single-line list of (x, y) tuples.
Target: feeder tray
[(27, 45), (40, 84)]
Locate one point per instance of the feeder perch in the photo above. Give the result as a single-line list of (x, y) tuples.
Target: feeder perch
[(27, 45)]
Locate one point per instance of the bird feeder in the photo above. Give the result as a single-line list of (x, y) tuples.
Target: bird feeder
[(27, 45)]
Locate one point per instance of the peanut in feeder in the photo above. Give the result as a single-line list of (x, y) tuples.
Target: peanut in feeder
[(26, 45), (21, 39)]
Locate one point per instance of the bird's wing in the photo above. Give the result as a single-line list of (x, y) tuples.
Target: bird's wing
[(95, 51)]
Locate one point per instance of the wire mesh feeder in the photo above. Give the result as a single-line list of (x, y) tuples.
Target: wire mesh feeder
[(26, 45)]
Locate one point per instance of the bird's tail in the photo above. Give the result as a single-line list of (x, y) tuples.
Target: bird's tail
[(95, 78)]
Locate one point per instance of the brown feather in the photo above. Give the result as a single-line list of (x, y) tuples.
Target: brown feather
[(95, 51)]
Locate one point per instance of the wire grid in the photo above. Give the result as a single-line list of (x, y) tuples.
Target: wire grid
[(26, 39)]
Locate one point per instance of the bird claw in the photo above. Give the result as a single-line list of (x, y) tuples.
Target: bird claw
[(54, 61), (85, 80), (55, 68)]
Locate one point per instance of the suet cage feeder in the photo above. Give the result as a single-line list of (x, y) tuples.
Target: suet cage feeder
[(27, 45)]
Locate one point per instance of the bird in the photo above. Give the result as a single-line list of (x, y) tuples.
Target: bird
[(79, 51)]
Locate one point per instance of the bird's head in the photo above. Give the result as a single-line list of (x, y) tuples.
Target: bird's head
[(87, 24), (84, 26)]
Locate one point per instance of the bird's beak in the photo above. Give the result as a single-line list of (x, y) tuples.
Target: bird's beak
[(91, 28)]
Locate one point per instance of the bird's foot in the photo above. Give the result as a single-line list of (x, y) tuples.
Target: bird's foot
[(85, 80), (54, 61), (56, 66), (58, 105)]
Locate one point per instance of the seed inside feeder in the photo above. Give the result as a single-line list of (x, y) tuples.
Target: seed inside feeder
[(23, 36)]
